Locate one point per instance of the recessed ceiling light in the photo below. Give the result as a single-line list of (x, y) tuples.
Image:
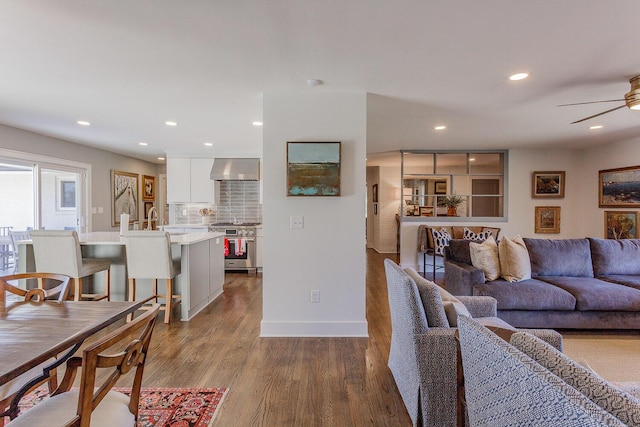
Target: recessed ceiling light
[(208, 144), (257, 123), (440, 127), (518, 76), (472, 159), (160, 158), (83, 123), (314, 82), (596, 127), (170, 123), (143, 143)]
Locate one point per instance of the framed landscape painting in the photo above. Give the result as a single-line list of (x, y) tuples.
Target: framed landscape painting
[(619, 188), (620, 225), (547, 219), (124, 196), (548, 184), (313, 169)]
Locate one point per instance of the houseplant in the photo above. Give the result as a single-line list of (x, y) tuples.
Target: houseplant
[(451, 202)]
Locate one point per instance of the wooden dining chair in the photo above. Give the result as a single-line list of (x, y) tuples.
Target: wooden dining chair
[(50, 286), (94, 403), (58, 251)]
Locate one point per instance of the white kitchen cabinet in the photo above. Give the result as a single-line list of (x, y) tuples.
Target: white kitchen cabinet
[(201, 183), (188, 180)]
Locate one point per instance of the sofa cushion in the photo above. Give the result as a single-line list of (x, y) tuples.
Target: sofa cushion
[(440, 240), (453, 309), (633, 281), (459, 251), (429, 234), (615, 256), (485, 257), (431, 300), (596, 294), (529, 294), (560, 257), (476, 237), (613, 400), (514, 259)]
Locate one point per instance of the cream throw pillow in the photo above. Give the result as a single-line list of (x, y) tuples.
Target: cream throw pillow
[(485, 257), (514, 259)]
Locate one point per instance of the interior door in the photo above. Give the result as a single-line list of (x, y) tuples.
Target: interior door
[(482, 202)]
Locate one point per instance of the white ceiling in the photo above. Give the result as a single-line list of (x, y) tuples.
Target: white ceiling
[(128, 66)]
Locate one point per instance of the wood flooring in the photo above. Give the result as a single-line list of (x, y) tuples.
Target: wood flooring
[(282, 381)]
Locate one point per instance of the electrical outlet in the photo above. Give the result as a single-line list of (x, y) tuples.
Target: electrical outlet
[(315, 295)]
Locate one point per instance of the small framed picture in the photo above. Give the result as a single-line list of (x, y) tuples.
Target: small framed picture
[(147, 207), (375, 209), (548, 184), (148, 187), (620, 225), (440, 187), (374, 193), (426, 211), (547, 219)]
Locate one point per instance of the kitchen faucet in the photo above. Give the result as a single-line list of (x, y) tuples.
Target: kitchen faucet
[(152, 211)]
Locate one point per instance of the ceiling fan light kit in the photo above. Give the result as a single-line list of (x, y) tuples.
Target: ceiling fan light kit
[(632, 98)]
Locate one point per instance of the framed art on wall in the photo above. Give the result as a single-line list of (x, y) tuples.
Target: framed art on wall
[(148, 187), (374, 193), (547, 219), (619, 188), (620, 225), (313, 169), (548, 184), (124, 196)]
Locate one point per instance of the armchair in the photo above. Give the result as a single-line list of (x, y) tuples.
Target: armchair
[(424, 350)]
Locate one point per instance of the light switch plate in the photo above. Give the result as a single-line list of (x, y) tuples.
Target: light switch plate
[(296, 222), (315, 295)]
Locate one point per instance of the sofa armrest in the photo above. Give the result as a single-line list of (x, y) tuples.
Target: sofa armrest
[(480, 306), (549, 336), (436, 352), (460, 278)]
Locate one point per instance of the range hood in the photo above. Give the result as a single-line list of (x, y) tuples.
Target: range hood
[(235, 169)]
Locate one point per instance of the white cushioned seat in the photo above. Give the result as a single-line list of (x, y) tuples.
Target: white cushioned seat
[(58, 410)]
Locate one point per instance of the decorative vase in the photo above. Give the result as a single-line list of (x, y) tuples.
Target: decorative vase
[(452, 211)]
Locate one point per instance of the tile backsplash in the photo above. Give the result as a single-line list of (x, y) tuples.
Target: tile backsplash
[(238, 201)]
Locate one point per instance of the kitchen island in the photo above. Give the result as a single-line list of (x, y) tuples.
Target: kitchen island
[(201, 257)]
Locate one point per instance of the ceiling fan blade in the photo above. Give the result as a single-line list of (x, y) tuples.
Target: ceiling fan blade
[(590, 102), (599, 114)]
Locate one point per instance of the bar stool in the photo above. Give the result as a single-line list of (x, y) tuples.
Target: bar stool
[(149, 257), (58, 251)]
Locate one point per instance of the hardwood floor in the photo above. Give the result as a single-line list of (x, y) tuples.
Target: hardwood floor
[(282, 381)]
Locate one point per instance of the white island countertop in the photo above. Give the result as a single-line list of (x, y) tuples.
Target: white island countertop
[(113, 237)]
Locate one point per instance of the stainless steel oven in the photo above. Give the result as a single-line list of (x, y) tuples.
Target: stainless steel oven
[(239, 246)]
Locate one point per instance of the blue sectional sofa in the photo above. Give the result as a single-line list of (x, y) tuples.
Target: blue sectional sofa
[(585, 283)]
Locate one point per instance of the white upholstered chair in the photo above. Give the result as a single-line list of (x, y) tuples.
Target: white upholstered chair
[(149, 257), (94, 403), (17, 236), (58, 251)]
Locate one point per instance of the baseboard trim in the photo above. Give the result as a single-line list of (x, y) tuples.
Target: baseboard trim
[(314, 329)]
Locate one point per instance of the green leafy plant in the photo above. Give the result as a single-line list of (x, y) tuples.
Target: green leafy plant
[(451, 200)]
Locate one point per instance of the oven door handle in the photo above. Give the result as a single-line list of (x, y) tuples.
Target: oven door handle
[(241, 238)]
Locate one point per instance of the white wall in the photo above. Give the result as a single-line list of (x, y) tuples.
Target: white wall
[(101, 164), (328, 254)]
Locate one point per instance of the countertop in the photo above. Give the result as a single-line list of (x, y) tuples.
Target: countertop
[(113, 237)]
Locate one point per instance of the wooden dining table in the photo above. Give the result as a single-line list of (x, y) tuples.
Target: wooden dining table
[(32, 333)]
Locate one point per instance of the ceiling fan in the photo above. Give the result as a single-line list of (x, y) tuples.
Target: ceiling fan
[(631, 100)]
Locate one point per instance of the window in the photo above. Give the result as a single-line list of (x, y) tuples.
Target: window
[(450, 184), (66, 194)]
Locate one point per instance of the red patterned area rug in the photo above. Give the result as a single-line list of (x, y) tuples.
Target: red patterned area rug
[(160, 406)]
